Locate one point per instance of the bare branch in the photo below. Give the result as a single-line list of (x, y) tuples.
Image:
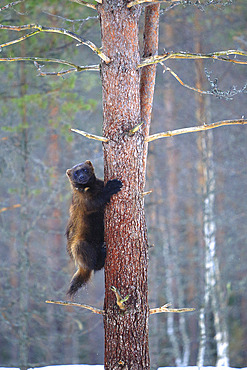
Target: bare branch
[(35, 60), (241, 40), (87, 307), (182, 83), (67, 71), (144, 193), (50, 60), (228, 95), (120, 303), (4, 209), (166, 308), (137, 2), (196, 3), (62, 31), (195, 129), (10, 5), (18, 40), (90, 136), (82, 20), (61, 73), (201, 4), (82, 2), (218, 55)]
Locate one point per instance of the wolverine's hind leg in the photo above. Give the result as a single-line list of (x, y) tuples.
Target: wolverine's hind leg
[(85, 255), (101, 255)]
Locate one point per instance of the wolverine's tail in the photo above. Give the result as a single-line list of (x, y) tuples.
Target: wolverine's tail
[(80, 278)]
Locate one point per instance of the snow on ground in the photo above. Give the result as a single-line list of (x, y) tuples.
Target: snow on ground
[(72, 367), (101, 367), (201, 368), (61, 367)]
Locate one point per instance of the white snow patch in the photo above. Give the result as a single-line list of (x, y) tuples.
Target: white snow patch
[(61, 367), (70, 367), (201, 368), (101, 367)]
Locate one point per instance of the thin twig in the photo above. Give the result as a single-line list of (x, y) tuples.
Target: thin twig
[(177, 2), (87, 307), (10, 5), (166, 308), (4, 209), (144, 193), (228, 95), (62, 31), (82, 2), (82, 20), (218, 55), (67, 71), (137, 2), (37, 59), (90, 136), (195, 129), (51, 60), (184, 84)]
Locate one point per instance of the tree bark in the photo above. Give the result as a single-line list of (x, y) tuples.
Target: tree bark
[(126, 333)]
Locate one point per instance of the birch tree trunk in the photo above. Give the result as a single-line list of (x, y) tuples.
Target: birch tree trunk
[(212, 290), (126, 333)]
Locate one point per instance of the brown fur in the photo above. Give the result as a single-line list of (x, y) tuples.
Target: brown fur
[(85, 230)]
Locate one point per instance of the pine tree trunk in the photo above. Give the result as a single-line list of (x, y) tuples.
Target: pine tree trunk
[(126, 333)]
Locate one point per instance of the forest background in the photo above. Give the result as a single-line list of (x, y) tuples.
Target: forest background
[(36, 148)]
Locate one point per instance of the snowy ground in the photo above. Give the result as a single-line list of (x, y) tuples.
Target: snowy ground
[(101, 367)]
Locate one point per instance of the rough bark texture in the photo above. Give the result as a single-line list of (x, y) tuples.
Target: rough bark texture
[(126, 334), (148, 73), (150, 47)]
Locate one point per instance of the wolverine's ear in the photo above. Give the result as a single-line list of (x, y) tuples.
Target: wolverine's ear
[(89, 163), (68, 173)]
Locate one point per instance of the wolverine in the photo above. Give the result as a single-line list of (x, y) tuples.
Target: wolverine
[(85, 229)]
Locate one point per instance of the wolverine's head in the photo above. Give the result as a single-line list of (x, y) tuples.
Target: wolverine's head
[(81, 175)]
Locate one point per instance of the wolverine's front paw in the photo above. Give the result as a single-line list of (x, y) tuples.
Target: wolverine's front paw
[(113, 186)]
